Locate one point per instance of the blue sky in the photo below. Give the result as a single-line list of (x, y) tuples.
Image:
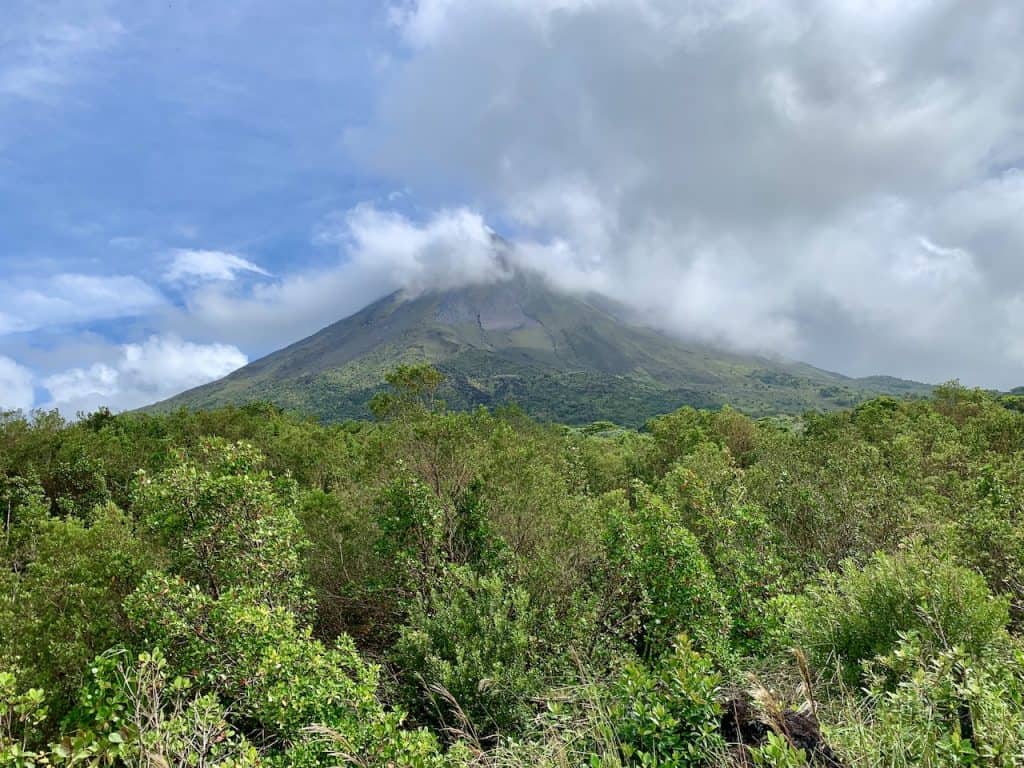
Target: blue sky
[(131, 130), (165, 124), (185, 186)]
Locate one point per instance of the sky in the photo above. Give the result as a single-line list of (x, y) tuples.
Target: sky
[(186, 186)]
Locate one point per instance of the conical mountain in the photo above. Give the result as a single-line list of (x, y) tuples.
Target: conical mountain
[(559, 356)]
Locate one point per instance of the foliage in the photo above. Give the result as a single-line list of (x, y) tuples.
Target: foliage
[(420, 537), (22, 712), (247, 587), (274, 677), (659, 582), (227, 524), (991, 537), (67, 603), (413, 388), (668, 716), (25, 511), (777, 753), (946, 708), (736, 537), (471, 651), (131, 712), (860, 613)]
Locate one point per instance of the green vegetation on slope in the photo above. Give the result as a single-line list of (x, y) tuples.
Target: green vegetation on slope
[(561, 358), (243, 587)]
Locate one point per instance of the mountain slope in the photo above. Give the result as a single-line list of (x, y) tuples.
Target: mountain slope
[(560, 357)]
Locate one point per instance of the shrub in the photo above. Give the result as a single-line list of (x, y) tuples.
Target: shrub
[(945, 708), (737, 539), (668, 716), (420, 536), (988, 532), (132, 712), (476, 638), (25, 512), (858, 614), (275, 679), (777, 752), (22, 714), (66, 607), (256, 658), (658, 582), (228, 524)]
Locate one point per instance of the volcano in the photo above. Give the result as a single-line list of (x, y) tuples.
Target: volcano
[(560, 356)]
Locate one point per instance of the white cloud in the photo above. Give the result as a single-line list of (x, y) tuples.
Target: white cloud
[(382, 252), (16, 392), (838, 181), (69, 298), (142, 374), (97, 385), (453, 248), (194, 266)]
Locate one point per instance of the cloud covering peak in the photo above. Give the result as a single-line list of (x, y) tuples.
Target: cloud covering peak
[(832, 181)]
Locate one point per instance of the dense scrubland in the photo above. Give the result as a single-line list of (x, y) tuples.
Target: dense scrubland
[(243, 587)]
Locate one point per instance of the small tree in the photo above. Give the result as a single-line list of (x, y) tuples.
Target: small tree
[(659, 584), (414, 389), (473, 643), (668, 715), (228, 524)]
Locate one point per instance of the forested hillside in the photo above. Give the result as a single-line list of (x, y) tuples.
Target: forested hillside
[(242, 587), (559, 356)]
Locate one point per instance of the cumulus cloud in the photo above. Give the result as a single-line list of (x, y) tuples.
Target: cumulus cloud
[(838, 181), (453, 248), (142, 374), (16, 391), (380, 252), (194, 266), (71, 298)]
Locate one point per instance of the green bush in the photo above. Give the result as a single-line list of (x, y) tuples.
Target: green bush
[(668, 716), (740, 545), (66, 606), (658, 583), (945, 708), (25, 512), (421, 536), (474, 638), (855, 615), (228, 524), (777, 752), (22, 715), (132, 712), (988, 534), (275, 679)]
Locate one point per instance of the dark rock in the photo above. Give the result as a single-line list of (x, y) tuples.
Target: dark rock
[(743, 727)]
